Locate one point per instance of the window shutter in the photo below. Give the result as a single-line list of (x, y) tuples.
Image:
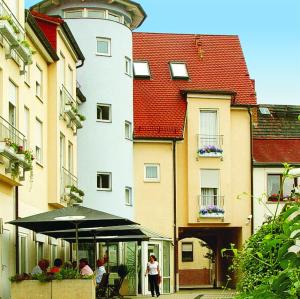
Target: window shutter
[(208, 123), (209, 178)]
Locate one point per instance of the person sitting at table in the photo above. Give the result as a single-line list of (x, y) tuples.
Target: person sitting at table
[(85, 269), (100, 270), (57, 266), (41, 267)]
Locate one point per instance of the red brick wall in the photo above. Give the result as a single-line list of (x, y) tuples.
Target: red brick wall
[(194, 277)]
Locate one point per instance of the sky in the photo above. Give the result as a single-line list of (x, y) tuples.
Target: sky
[(269, 31)]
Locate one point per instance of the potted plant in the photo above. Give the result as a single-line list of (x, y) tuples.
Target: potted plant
[(211, 150)]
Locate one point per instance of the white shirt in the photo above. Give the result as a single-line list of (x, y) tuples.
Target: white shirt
[(99, 273), (36, 270), (153, 268)]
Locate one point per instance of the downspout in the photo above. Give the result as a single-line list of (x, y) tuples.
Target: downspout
[(80, 65), (251, 149), (17, 229), (175, 216)]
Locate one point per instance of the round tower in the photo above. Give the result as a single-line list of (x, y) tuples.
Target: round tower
[(103, 31)]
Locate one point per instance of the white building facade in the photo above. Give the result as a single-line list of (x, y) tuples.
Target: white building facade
[(105, 144)]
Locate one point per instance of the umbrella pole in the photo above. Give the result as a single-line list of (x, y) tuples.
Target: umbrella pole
[(76, 246)]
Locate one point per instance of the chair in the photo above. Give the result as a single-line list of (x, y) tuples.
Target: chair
[(102, 287), (114, 290)]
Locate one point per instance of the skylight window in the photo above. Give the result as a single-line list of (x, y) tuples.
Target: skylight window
[(141, 69), (264, 110), (179, 70)]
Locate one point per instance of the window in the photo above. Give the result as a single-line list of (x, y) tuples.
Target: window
[(39, 83), (141, 69), (104, 112), (62, 68), (70, 80), (273, 186), (97, 14), (128, 66), (62, 150), (70, 157), (114, 17), (128, 196), (27, 74), (179, 70), (74, 14), (104, 181), (151, 173), (13, 99), (103, 46), (23, 253), (209, 128), (39, 251), (210, 187), (26, 124), (128, 130), (53, 253), (39, 141), (187, 252)]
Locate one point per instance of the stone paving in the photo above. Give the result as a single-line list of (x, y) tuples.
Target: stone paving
[(195, 294)]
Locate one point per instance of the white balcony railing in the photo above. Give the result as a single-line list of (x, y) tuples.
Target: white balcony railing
[(69, 107), (211, 206), (210, 145)]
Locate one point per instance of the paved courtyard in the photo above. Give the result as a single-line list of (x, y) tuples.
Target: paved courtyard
[(197, 294)]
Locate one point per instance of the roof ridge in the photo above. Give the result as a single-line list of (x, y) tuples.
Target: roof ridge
[(189, 34)]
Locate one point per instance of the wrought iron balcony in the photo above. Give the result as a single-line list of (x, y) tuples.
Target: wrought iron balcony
[(70, 193), (69, 107), (211, 206), (210, 145)]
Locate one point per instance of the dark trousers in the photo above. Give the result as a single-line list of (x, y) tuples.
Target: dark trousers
[(153, 281)]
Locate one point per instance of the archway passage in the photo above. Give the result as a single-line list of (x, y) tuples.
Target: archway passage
[(204, 245)]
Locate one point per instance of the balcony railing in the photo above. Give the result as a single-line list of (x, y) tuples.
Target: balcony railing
[(69, 193), (69, 107), (210, 145), (211, 206)]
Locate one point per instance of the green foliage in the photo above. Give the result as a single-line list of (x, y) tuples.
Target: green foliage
[(269, 263)]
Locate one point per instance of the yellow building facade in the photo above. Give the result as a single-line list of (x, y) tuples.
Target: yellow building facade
[(34, 123)]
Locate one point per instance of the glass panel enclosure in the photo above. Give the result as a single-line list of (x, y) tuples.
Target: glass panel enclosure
[(130, 260), (166, 267)]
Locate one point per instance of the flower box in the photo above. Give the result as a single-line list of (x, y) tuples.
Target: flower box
[(8, 152), (212, 211), (77, 122), (210, 151), (70, 112), (211, 215), (8, 32), (29, 289), (24, 53)]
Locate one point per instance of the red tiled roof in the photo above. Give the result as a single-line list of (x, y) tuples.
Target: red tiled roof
[(276, 150), (214, 62)]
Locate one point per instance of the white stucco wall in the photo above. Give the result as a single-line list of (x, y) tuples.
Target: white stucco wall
[(261, 208), (102, 147)]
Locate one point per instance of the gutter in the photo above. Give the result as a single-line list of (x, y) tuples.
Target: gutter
[(251, 149), (175, 216)]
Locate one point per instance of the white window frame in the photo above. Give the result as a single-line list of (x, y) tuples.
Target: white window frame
[(103, 39), (96, 10), (129, 125), (128, 66), (110, 181), (144, 75), (174, 76), (129, 190), (110, 113), (114, 15), (27, 73), (39, 84), (152, 180), (75, 10), (39, 160)]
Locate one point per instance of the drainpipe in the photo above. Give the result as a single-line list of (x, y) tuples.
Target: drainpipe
[(17, 229), (175, 216), (80, 65), (251, 149)]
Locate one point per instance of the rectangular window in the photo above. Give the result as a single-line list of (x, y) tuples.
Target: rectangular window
[(73, 14), (70, 157), (96, 14), (23, 253), (70, 81), (39, 251), (26, 124), (128, 196), (151, 172), (104, 112), (209, 128), (39, 83), (27, 74), (187, 252), (13, 99), (104, 181), (128, 130), (210, 187), (39, 141), (128, 66), (103, 46), (141, 69), (62, 154), (273, 186), (53, 254), (62, 68), (114, 17), (179, 70)]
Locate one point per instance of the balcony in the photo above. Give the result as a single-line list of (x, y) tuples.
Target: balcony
[(13, 148), (70, 194), (69, 107), (211, 206), (210, 145), (14, 34)]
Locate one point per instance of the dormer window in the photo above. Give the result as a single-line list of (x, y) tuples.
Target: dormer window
[(141, 69), (179, 70)]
